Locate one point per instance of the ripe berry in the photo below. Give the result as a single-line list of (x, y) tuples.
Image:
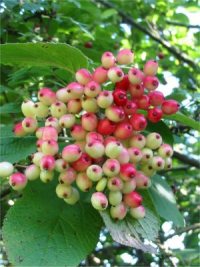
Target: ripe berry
[(82, 163), (170, 107), (46, 96), (99, 201), (88, 44), (129, 186), (115, 198), (123, 130), (115, 74), (115, 113), (127, 171), (106, 127), (136, 90), (77, 132), (83, 76), (142, 181), (150, 83), (118, 212), (74, 106), (83, 182), (63, 95), (18, 181), (143, 102), (18, 130), (133, 199), (63, 191), (49, 133), (47, 163), (93, 136), (138, 140), (120, 97), (71, 153), (89, 121), (92, 89), (105, 99), (32, 172), (108, 60), (29, 125), (125, 56), (154, 115), (95, 149), (138, 212), (100, 75), (113, 149), (75, 90), (156, 98), (154, 140), (53, 122), (165, 151), (111, 167), (74, 198), (138, 121), (135, 76), (123, 84), (130, 107), (150, 68), (67, 177), (6, 169), (115, 184)]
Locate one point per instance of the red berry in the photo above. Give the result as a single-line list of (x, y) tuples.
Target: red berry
[(156, 98), (106, 127), (120, 97), (123, 84), (88, 44), (138, 121), (170, 107), (154, 115), (123, 130), (133, 199), (143, 102), (130, 107)]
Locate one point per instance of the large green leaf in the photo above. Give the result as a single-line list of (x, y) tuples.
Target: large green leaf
[(164, 201), (14, 149), (10, 108), (185, 120), (43, 54), (42, 230), (131, 232)]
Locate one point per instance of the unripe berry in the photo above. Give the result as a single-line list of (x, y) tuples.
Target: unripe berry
[(150, 68), (147, 155), (120, 97), (89, 121), (40, 110), (99, 201), (92, 89), (123, 130), (168, 163), (83, 182), (27, 108), (32, 172), (113, 149), (106, 127), (151, 83), (135, 154), (47, 163), (154, 115), (49, 133), (143, 102), (61, 165), (133, 199), (136, 90), (49, 147), (67, 121), (53, 122), (165, 151), (148, 170), (170, 107), (123, 156), (129, 186), (63, 95), (138, 121), (125, 56), (123, 84), (18, 181), (153, 140), (95, 149), (108, 60), (39, 145), (71, 153), (63, 191), (93, 136), (101, 185), (82, 163), (138, 212), (111, 167), (78, 133), (115, 198), (67, 177), (115, 113), (135, 76), (76, 90), (6, 169), (105, 99), (83, 76), (46, 96), (115, 184), (127, 171), (118, 212), (58, 109), (156, 98), (74, 198), (115, 74), (19, 130), (89, 104), (36, 158), (94, 172), (138, 141), (39, 132), (142, 181), (100, 75), (157, 163), (29, 125), (130, 107), (74, 106)]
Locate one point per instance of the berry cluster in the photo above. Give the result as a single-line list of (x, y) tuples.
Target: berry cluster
[(104, 148)]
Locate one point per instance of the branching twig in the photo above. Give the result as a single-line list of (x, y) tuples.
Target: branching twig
[(184, 230), (189, 26), (186, 159), (173, 50)]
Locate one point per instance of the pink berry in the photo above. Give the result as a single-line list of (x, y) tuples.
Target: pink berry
[(18, 181), (115, 184), (94, 172), (150, 83), (93, 136), (123, 84), (138, 212), (156, 98), (125, 56), (113, 149), (92, 89), (46, 96), (71, 153), (77, 132), (19, 130), (133, 199), (142, 181), (83, 182), (89, 104), (115, 74), (118, 212), (47, 163), (135, 76), (67, 177), (89, 121), (111, 167), (129, 186), (108, 60), (67, 121), (123, 130), (74, 106), (154, 140), (170, 107), (138, 121), (150, 68), (105, 99), (49, 133), (136, 90), (82, 163), (63, 95), (53, 122), (157, 163), (123, 156), (138, 140), (165, 151), (83, 76), (58, 109), (32, 172), (100, 75), (127, 171), (49, 147), (135, 154), (143, 102), (115, 113), (29, 125), (76, 90), (61, 165), (99, 201), (95, 149)]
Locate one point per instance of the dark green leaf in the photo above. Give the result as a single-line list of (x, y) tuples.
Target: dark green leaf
[(185, 120)]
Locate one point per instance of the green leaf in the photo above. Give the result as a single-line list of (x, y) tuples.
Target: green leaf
[(163, 130), (43, 54), (14, 149), (10, 108), (164, 201), (42, 230), (185, 120), (131, 232), (108, 13)]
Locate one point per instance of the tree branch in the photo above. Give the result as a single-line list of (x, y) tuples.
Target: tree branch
[(188, 26), (184, 230), (186, 159), (173, 50)]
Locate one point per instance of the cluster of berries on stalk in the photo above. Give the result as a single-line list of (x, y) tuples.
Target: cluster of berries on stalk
[(104, 146)]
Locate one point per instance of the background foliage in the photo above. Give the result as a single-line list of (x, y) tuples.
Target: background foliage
[(153, 29)]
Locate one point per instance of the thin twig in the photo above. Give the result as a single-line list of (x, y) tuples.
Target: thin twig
[(184, 230), (186, 159)]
